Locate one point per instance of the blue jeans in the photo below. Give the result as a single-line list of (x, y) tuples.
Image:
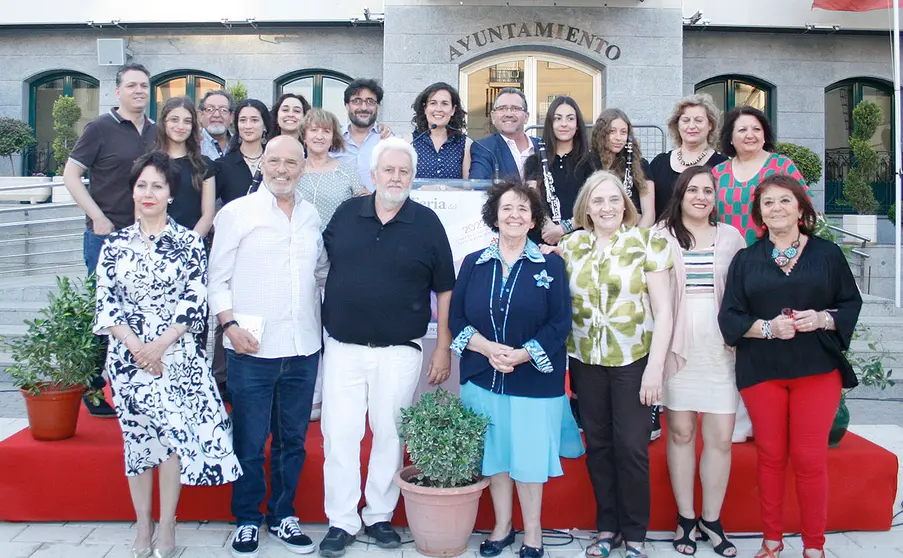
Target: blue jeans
[(269, 396), (91, 254)]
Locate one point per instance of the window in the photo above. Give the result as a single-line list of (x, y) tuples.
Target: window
[(541, 76), (322, 89), (733, 91), (44, 91), (840, 100), (181, 83)]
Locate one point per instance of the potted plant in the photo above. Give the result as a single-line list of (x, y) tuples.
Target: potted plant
[(56, 359), (870, 370), (857, 188), (238, 91), (442, 487), (15, 136)]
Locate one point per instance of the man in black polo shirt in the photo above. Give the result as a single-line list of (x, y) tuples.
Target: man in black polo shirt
[(387, 253), (107, 149)]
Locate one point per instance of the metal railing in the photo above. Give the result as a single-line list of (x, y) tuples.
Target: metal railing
[(862, 255), (27, 247)]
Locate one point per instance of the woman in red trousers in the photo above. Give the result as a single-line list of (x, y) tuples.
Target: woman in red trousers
[(790, 307)]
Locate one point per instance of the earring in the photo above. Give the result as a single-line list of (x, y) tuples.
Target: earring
[(764, 227), (170, 201), (800, 222)]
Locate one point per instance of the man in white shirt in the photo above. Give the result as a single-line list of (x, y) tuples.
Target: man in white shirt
[(510, 147), (266, 262)]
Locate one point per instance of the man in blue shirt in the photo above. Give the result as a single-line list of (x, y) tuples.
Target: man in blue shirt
[(362, 100), (215, 114)]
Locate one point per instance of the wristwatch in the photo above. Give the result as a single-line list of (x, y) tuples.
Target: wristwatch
[(229, 324)]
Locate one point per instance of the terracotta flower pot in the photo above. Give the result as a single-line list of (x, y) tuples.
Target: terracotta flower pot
[(53, 413), (441, 519)]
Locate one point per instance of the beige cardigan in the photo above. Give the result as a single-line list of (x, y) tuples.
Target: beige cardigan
[(727, 243)]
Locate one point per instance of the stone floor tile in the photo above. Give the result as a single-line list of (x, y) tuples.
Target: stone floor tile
[(102, 524), (43, 533), (412, 553), (202, 538), (9, 530), (863, 553), (72, 551), (120, 535), (880, 539), (217, 526), (17, 550)]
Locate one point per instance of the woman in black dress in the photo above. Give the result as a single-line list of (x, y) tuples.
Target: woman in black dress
[(194, 203), (790, 306), (560, 169), (693, 126), (237, 169)]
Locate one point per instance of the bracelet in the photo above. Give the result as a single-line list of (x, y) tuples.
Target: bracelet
[(829, 320), (126, 338), (567, 225), (229, 324), (766, 329)]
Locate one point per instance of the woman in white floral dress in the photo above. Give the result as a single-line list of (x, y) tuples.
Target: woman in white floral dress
[(152, 302)]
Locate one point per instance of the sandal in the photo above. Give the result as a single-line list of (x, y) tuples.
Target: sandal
[(687, 525), (805, 550), (601, 547), (635, 552), (715, 528), (766, 552)]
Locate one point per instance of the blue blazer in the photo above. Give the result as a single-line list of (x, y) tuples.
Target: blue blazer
[(482, 165)]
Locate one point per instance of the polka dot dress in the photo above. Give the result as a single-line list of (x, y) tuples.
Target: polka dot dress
[(445, 163)]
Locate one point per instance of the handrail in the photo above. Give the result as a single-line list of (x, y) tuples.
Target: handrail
[(860, 254), (848, 233), (37, 207), (15, 188), (41, 222)]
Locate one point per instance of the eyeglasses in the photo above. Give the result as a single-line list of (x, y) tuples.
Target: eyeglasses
[(357, 101), (509, 108), (214, 110), (276, 162)]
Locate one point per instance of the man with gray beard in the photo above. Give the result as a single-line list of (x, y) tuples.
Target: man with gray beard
[(362, 100), (387, 254), (215, 114)]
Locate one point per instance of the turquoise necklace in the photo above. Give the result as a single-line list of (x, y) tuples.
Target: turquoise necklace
[(783, 257)]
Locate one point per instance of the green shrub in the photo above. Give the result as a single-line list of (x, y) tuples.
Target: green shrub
[(238, 91), (66, 113), (59, 349), (444, 439), (807, 162), (892, 213), (857, 188), (15, 136)]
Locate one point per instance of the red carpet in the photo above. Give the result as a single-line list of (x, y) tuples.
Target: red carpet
[(81, 479)]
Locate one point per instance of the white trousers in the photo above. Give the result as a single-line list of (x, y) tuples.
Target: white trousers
[(360, 382)]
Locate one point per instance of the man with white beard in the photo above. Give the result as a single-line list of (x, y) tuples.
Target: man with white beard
[(386, 252), (215, 114)]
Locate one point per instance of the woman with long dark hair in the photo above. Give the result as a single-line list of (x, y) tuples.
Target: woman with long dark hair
[(288, 112), (560, 167), (616, 149), (180, 137), (699, 370), (239, 168), (440, 133)]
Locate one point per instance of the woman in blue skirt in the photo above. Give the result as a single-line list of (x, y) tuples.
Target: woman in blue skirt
[(511, 315)]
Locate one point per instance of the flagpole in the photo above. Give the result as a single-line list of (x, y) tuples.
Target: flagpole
[(898, 199)]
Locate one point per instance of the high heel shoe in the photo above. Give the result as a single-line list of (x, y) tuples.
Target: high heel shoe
[(767, 552), (715, 528), (142, 552), (168, 553), (687, 525)]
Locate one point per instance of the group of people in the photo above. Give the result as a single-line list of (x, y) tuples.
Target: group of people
[(669, 283)]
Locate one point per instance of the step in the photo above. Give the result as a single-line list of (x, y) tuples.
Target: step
[(874, 306), (15, 312)]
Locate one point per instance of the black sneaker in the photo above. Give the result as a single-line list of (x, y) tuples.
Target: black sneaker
[(101, 410), (656, 423), (289, 534), (384, 535), (244, 541), (335, 542)]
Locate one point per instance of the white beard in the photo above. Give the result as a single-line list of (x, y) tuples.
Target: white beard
[(216, 129), (392, 201)]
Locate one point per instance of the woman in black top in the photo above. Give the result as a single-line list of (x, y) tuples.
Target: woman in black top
[(236, 170), (616, 149), (194, 203), (288, 112), (694, 128), (790, 306), (568, 162)]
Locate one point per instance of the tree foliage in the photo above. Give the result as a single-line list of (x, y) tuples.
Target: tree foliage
[(238, 91), (806, 161), (857, 188), (15, 137), (66, 113)]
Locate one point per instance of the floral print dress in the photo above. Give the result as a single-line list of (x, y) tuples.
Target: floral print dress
[(149, 285)]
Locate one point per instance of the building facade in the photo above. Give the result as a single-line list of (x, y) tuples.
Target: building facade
[(806, 68)]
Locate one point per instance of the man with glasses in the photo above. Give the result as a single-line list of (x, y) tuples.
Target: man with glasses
[(510, 147), (215, 114), (362, 99), (264, 271)]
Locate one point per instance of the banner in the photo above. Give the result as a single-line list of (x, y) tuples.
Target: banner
[(854, 5)]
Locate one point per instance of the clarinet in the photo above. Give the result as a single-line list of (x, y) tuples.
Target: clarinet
[(628, 171), (551, 198)]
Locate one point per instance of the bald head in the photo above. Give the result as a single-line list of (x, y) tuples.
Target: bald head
[(283, 165)]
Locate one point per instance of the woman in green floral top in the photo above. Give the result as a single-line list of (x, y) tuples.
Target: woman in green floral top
[(619, 280)]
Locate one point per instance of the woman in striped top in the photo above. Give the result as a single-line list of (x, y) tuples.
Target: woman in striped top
[(705, 383)]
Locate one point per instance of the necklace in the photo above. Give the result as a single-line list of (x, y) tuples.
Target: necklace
[(783, 257), (680, 158), (252, 159)]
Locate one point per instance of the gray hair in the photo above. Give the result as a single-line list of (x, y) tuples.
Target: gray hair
[(510, 91), (393, 144), (221, 92)]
